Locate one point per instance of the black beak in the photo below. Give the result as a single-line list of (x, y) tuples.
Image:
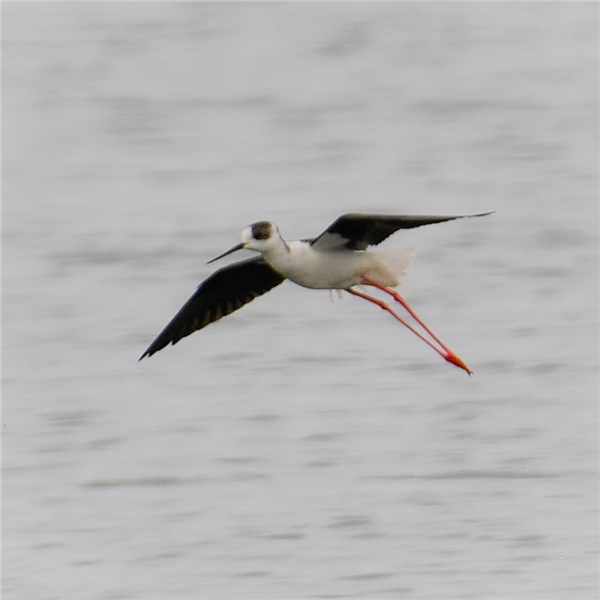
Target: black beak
[(230, 251)]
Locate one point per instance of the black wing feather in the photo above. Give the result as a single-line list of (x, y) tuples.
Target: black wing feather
[(357, 231), (218, 295)]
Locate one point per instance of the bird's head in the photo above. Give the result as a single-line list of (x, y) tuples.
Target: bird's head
[(261, 236)]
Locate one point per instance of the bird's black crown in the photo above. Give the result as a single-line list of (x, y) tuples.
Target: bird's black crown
[(261, 230)]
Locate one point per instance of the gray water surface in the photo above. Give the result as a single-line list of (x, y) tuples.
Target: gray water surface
[(299, 448)]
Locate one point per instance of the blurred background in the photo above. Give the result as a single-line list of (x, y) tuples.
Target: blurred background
[(299, 448)]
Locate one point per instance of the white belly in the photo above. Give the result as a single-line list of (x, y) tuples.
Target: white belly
[(336, 269)]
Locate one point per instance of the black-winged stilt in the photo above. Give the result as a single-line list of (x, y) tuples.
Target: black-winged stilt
[(336, 260)]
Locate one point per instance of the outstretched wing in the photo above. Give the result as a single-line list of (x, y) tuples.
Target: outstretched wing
[(220, 294), (357, 231)]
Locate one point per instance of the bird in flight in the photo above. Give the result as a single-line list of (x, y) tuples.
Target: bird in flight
[(337, 259)]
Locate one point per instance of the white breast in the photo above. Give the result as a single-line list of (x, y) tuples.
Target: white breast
[(335, 269)]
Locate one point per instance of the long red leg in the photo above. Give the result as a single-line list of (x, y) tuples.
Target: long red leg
[(445, 353), (385, 306), (404, 303)]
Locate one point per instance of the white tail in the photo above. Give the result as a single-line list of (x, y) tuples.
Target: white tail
[(396, 262)]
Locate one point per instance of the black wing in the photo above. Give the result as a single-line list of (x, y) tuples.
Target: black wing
[(356, 231), (220, 294)]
